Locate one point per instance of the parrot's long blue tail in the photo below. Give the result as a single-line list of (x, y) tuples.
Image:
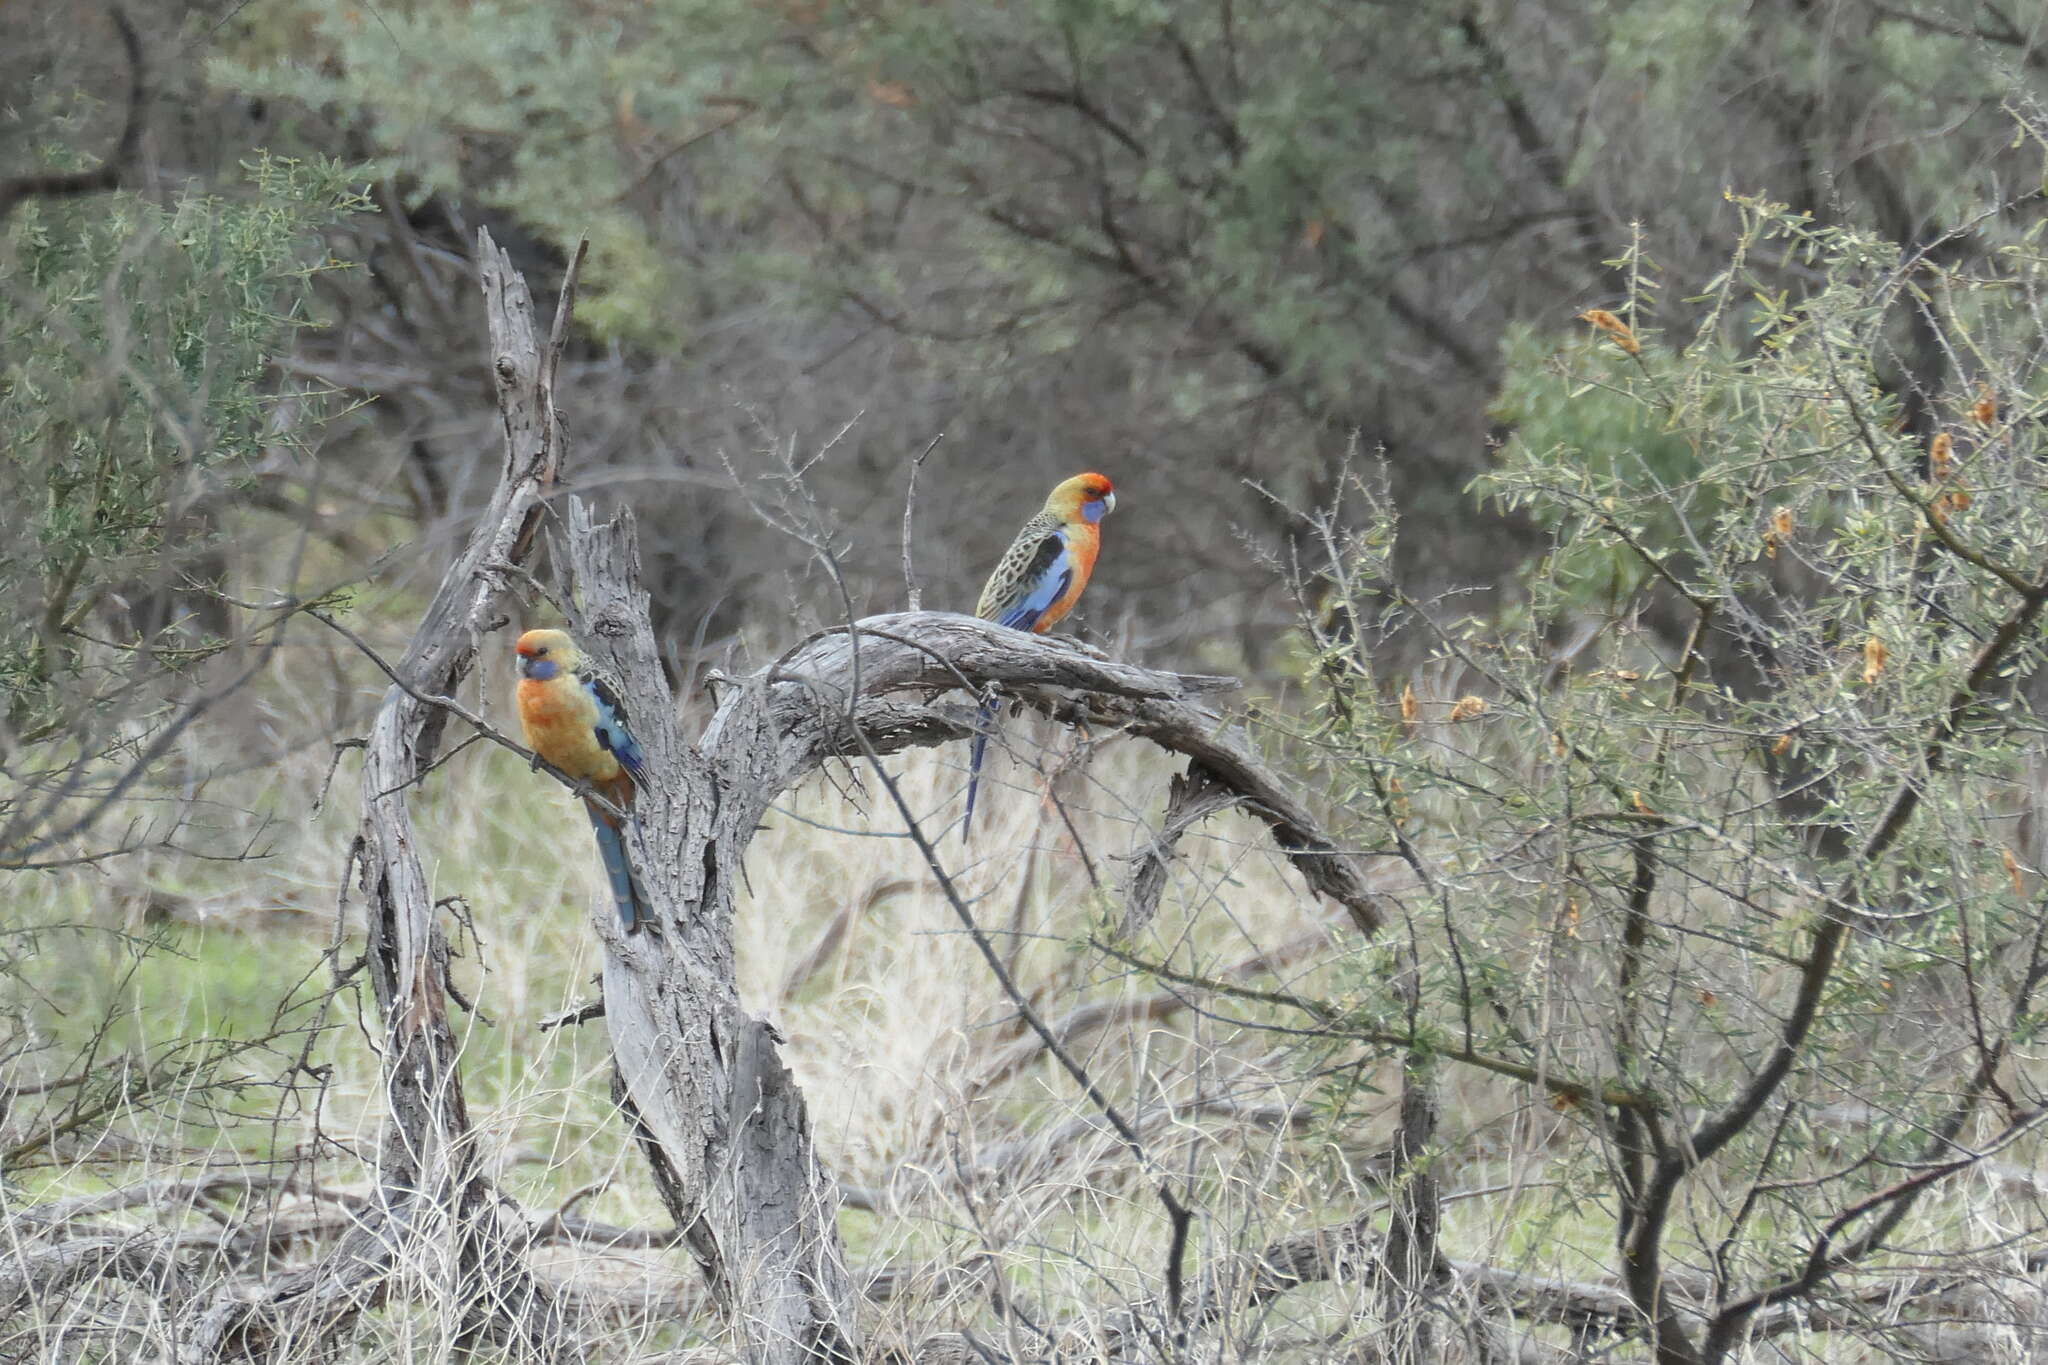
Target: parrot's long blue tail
[(983, 724), (631, 898)]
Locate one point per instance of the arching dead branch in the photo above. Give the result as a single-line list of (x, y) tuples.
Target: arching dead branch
[(716, 1111)]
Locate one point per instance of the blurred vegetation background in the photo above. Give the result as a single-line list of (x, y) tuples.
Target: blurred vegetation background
[(1537, 310), (1202, 247)]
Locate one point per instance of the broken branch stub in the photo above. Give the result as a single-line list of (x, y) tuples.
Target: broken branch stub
[(1180, 727), (702, 1082), (1192, 797)]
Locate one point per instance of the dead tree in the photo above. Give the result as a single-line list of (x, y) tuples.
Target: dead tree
[(701, 1083), (712, 1104)]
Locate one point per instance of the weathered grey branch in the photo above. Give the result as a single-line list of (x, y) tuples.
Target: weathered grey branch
[(435, 1208), (150, 1194), (914, 651), (1192, 797), (39, 1275)]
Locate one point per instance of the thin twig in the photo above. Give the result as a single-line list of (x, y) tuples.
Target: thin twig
[(912, 592), (1179, 1215)]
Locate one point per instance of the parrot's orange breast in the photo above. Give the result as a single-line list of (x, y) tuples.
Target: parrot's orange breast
[(560, 722), (1084, 541)]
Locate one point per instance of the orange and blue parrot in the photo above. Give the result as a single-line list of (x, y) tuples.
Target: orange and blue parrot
[(572, 718), (1038, 580)]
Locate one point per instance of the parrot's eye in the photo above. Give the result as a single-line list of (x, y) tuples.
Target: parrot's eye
[(541, 651)]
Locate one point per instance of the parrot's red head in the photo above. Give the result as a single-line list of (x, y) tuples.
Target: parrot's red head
[(1085, 497)]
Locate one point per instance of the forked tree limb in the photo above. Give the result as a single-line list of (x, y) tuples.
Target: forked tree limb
[(715, 1112), (1192, 797), (436, 1213)]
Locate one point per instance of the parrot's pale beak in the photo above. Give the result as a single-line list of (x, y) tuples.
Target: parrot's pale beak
[(1108, 503)]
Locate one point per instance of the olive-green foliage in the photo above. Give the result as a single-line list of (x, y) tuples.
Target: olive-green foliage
[(1655, 805), (1572, 397), (136, 345), (1195, 245), (1326, 203)]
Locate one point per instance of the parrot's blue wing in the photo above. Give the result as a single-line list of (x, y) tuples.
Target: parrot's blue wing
[(611, 725), (1047, 580)]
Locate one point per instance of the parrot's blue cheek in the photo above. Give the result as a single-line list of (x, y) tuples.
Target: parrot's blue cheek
[(540, 670)]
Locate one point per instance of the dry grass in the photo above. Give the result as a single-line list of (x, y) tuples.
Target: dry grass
[(956, 1138), (960, 1138)]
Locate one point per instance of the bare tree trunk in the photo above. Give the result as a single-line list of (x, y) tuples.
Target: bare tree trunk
[(436, 1212), (713, 1107), (1412, 1268)]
